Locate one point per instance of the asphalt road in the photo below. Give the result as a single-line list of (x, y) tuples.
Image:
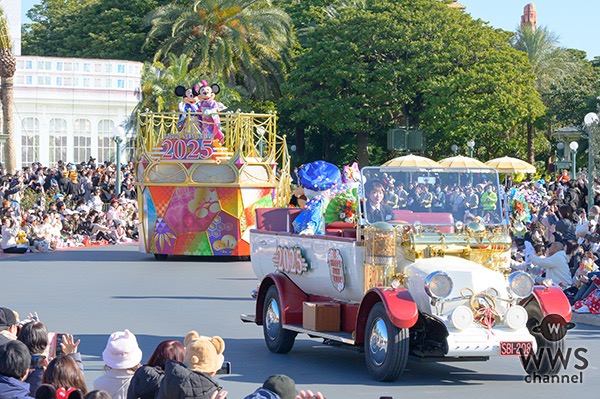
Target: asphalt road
[(93, 292)]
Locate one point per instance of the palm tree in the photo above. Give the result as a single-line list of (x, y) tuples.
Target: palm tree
[(244, 42), (550, 64), (8, 66)]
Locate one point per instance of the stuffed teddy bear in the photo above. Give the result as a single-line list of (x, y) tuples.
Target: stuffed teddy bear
[(188, 104), (209, 107), (203, 354), (317, 178)]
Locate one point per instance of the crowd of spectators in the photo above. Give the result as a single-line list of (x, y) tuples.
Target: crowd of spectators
[(33, 366), (67, 205)]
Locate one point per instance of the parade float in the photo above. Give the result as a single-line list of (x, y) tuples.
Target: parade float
[(201, 173), (422, 283)]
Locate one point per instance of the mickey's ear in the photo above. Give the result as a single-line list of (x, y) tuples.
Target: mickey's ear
[(45, 391), (196, 89), (180, 91), (76, 394), (215, 88)]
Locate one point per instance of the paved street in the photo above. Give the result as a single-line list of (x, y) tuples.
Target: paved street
[(93, 292)]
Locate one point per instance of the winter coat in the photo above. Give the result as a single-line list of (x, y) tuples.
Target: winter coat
[(182, 383), (11, 388), (145, 382), (115, 382)]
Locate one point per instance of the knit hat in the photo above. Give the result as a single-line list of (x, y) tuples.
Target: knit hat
[(122, 351), (203, 354), (7, 318), (282, 385)]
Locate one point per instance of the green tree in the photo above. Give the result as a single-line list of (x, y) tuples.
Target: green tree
[(8, 66), (104, 29), (245, 42), (354, 82), (550, 63)]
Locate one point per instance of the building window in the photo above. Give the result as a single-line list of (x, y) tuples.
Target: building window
[(47, 80), (121, 83), (40, 81), (40, 65), (30, 140), (87, 67), (97, 68), (68, 81), (86, 82), (28, 64), (59, 66), (29, 79), (82, 140), (68, 66), (108, 68), (48, 65), (76, 66), (59, 80), (75, 82), (108, 83), (121, 68), (105, 148), (58, 140)]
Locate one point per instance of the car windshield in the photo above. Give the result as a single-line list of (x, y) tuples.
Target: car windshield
[(430, 196)]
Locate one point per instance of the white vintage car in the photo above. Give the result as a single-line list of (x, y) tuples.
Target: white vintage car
[(426, 282)]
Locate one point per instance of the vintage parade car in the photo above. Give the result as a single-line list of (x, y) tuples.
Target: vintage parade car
[(428, 282)]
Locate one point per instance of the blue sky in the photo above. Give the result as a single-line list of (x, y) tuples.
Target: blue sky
[(575, 22)]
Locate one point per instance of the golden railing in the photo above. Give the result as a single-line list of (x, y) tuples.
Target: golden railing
[(249, 136)]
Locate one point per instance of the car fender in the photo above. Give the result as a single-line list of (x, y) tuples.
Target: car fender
[(551, 301), (291, 298), (399, 305)]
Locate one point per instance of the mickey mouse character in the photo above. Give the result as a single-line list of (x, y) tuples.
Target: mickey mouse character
[(209, 107), (189, 102)]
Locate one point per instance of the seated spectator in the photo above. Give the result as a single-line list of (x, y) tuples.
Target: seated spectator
[(14, 366), (555, 264), (10, 229), (194, 378), (63, 372), (283, 387), (8, 326), (122, 357), (146, 380)]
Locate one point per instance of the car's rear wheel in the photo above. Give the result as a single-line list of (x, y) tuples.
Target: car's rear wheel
[(545, 361), (386, 346), (278, 339)]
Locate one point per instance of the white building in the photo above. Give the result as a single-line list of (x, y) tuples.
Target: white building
[(67, 108)]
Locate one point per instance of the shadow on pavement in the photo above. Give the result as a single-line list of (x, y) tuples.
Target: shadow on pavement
[(308, 363)]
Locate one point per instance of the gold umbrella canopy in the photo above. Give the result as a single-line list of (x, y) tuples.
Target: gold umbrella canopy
[(510, 165), (412, 161), (461, 162)]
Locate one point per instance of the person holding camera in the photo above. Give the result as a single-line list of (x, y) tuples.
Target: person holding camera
[(10, 229)]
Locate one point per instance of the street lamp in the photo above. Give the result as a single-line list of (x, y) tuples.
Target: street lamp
[(471, 145), (454, 149), (591, 122), (560, 146), (574, 146), (119, 134)]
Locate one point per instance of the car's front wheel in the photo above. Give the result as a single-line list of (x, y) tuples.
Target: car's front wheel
[(386, 346), (545, 361)]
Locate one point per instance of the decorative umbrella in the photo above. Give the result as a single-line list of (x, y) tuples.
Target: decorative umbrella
[(413, 161), (510, 165), (460, 162)]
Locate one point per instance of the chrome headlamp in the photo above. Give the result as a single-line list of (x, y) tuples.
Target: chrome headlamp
[(520, 284), (438, 285)]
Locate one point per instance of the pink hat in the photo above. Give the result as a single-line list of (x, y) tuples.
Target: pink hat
[(122, 351)]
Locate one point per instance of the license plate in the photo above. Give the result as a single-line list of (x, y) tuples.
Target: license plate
[(515, 348)]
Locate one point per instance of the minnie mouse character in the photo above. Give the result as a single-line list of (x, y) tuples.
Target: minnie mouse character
[(189, 102), (211, 123)]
